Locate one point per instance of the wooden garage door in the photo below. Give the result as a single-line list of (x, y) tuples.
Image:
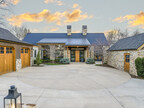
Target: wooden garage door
[(126, 62), (25, 57), (6, 59)]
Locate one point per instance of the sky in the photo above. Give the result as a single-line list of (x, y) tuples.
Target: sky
[(99, 15)]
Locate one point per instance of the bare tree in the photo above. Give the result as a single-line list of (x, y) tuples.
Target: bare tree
[(115, 35), (5, 9), (20, 32), (136, 32)]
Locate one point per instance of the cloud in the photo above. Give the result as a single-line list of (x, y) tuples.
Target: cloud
[(76, 5), (75, 16), (76, 31), (133, 20), (58, 17), (15, 2), (58, 2), (54, 29)]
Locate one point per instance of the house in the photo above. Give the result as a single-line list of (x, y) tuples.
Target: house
[(123, 53), (14, 53), (75, 46)]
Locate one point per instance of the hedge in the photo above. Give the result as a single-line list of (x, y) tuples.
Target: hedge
[(139, 63)]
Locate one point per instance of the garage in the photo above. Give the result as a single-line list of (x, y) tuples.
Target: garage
[(7, 59), (14, 53), (25, 57)]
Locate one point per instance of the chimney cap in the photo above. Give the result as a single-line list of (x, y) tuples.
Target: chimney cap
[(68, 26), (84, 26)]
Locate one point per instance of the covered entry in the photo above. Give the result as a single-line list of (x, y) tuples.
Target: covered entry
[(77, 54), (7, 59), (126, 62), (25, 57)]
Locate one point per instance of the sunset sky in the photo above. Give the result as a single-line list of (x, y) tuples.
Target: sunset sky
[(98, 15)]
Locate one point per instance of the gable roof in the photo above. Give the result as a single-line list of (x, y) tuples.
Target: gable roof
[(8, 36), (130, 43), (93, 38)]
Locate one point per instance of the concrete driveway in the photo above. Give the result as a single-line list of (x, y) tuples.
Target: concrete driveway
[(77, 85)]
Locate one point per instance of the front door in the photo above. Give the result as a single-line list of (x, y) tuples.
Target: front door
[(77, 56), (126, 62)]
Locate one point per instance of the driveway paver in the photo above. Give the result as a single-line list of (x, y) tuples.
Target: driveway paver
[(77, 85)]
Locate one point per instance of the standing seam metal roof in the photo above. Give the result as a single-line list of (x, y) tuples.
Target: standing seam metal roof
[(130, 43), (93, 38)]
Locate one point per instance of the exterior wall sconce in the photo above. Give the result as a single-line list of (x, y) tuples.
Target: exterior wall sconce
[(13, 99)]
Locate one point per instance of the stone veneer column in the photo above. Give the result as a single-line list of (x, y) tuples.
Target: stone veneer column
[(68, 55), (86, 54), (65, 52), (52, 52), (92, 51), (18, 64)]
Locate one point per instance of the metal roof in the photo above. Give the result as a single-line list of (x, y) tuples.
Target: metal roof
[(93, 38), (53, 40), (8, 36), (130, 43), (78, 42)]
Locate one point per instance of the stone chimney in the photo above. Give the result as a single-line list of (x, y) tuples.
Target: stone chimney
[(84, 30), (68, 30)]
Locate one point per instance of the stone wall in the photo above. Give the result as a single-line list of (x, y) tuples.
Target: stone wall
[(52, 52), (105, 54), (18, 64), (116, 59)]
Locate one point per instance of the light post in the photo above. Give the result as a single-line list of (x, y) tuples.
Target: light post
[(13, 99)]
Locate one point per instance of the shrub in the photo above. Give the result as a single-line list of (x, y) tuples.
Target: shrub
[(139, 63), (64, 61), (38, 59), (90, 61)]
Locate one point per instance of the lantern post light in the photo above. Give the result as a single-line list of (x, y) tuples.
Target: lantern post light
[(13, 99)]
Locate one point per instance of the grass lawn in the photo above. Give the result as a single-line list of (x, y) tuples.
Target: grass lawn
[(99, 64), (54, 64)]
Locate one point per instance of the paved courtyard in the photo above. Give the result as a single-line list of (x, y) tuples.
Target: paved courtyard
[(77, 85)]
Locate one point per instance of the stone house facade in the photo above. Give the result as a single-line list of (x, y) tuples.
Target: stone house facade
[(75, 46), (122, 54)]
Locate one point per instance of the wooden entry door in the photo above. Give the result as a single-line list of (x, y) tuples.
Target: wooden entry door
[(126, 62), (77, 56), (6, 59), (25, 57)]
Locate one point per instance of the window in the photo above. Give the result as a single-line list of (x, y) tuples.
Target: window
[(35, 51), (26, 50), (10, 50), (1, 50), (127, 58), (22, 50), (7, 50)]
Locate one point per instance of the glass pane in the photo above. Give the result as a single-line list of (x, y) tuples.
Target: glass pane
[(9, 103), (1, 50), (10, 50), (22, 50), (7, 50)]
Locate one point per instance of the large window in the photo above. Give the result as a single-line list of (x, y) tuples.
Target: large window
[(59, 51), (35, 53)]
